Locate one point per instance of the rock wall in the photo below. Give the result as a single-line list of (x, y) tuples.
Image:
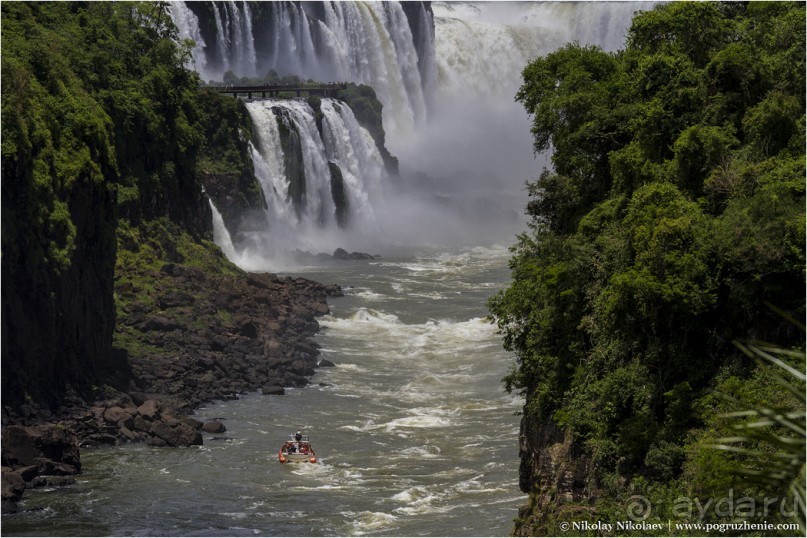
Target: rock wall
[(57, 321), (225, 165), (553, 471)]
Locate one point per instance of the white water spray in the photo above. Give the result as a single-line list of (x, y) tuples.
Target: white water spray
[(447, 88), (310, 223), (188, 26)]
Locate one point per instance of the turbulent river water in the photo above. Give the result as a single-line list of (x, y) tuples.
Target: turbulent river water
[(413, 429)]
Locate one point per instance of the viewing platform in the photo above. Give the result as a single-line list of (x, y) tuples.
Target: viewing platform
[(329, 89)]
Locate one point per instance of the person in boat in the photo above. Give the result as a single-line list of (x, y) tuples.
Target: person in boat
[(298, 436)]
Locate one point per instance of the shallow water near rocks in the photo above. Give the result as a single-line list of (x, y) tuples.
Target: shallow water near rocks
[(415, 434)]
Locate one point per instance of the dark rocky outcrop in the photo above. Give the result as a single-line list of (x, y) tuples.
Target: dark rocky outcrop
[(339, 195), (30, 454), (554, 471), (342, 254), (225, 166), (231, 334), (112, 422)]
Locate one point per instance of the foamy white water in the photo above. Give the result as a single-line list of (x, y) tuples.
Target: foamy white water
[(413, 429)]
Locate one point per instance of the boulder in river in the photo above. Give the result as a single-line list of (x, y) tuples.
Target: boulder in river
[(274, 390), (177, 434), (213, 426), (28, 452), (53, 450), (342, 254)]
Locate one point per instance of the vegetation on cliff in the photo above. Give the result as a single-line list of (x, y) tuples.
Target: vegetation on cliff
[(672, 219), (225, 164), (97, 122), (106, 145), (365, 105)]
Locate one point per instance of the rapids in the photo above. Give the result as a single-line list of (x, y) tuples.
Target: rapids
[(413, 429)]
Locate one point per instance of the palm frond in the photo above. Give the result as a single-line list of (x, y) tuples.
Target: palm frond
[(774, 440)]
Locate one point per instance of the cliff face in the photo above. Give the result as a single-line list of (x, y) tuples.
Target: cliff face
[(641, 272), (554, 471), (57, 316), (94, 134), (58, 217), (225, 165)]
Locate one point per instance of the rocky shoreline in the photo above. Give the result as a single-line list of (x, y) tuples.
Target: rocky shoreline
[(183, 337)]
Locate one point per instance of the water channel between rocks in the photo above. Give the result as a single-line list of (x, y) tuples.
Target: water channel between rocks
[(413, 429)]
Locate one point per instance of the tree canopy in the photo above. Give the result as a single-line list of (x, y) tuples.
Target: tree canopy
[(671, 219), (99, 121)]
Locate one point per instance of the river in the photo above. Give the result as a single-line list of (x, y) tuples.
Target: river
[(414, 432)]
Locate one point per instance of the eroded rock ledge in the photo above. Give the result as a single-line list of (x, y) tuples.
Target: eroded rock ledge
[(196, 337), (554, 472)]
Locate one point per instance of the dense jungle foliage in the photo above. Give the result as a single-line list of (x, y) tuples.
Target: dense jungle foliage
[(102, 131), (671, 223)]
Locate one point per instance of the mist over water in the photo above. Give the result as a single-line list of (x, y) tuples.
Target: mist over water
[(413, 430), (477, 141), (463, 143)]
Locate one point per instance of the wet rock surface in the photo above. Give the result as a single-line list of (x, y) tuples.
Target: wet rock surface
[(183, 338), (36, 456), (196, 338)]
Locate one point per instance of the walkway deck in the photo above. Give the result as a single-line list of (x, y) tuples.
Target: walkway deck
[(275, 90)]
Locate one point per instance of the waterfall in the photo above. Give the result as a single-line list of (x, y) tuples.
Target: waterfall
[(480, 50), (366, 43), (446, 76), (220, 234), (326, 201), (188, 25), (235, 43)]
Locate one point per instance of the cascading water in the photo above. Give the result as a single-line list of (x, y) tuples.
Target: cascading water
[(446, 75), (319, 204), (480, 50), (220, 234), (368, 43), (188, 25)]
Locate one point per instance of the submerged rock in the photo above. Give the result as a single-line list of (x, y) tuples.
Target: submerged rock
[(274, 390), (214, 426)]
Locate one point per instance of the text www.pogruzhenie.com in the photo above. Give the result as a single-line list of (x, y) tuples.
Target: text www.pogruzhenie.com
[(707, 528)]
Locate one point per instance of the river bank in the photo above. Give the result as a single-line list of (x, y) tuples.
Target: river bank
[(414, 433), (184, 337)]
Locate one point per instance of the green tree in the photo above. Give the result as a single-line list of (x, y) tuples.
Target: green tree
[(673, 213), (99, 122)]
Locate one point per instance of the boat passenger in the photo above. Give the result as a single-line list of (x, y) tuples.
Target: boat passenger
[(298, 437)]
